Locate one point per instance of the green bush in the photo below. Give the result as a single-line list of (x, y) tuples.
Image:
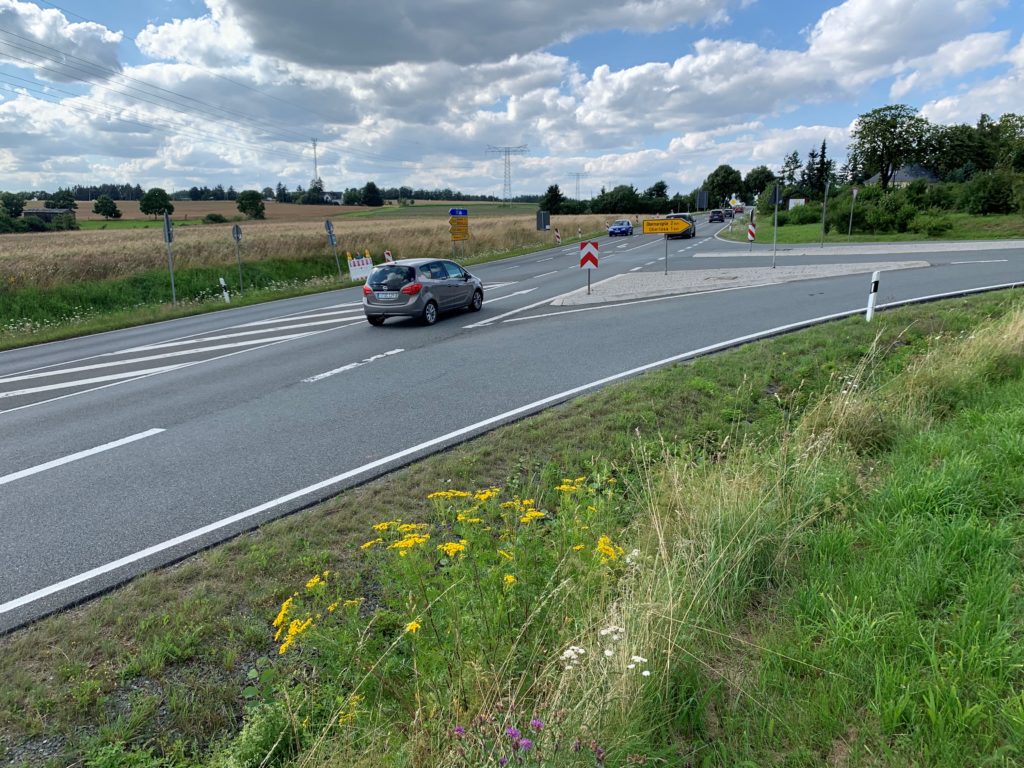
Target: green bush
[(805, 214), (944, 196), (214, 218), (931, 223), (989, 192)]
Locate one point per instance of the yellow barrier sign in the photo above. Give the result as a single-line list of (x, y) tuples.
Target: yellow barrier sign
[(665, 226)]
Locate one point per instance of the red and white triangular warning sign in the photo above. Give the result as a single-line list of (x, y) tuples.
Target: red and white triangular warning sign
[(588, 254)]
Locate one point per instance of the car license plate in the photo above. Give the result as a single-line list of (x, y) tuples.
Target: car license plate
[(386, 295)]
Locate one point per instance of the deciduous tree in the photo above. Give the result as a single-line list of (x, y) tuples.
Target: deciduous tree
[(250, 203), (885, 139), (155, 202), (105, 207)]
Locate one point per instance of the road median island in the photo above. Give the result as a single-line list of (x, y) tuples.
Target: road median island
[(642, 285), (794, 537)]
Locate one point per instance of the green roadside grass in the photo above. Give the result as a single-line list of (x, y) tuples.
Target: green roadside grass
[(114, 224), (36, 315), (965, 227), (813, 543)]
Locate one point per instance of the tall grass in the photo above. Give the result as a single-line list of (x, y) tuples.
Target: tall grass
[(802, 599)]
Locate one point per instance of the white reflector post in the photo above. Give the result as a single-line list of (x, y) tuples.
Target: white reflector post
[(872, 295)]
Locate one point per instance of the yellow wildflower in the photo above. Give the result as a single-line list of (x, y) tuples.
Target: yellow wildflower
[(295, 629), (464, 518), (451, 494), (352, 603), (282, 617), (315, 582), (413, 626), (412, 540), (486, 494), (509, 579), (386, 525), (608, 550), (370, 544), (566, 488), (532, 514), (410, 527), (451, 548), (506, 555), (332, 607), (578, 547)]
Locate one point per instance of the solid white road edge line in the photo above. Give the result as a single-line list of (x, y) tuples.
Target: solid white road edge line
[(76, 456), (982, 261), (509, 295), (351, 366), (184, 538)]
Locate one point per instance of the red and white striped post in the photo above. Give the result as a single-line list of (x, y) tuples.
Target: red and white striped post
[(558, 237), (751, 233)]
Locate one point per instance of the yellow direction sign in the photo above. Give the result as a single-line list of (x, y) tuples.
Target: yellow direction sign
[(665, 226)]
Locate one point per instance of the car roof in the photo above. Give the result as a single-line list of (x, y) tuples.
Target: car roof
[(678, 216), (407, 262)]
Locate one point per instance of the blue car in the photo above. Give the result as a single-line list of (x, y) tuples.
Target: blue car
[(620, 227)]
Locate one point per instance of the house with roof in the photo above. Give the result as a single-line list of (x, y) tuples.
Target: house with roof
[(905, 176)]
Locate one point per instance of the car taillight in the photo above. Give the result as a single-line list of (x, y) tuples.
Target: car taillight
[(412, 289), (367, 290)]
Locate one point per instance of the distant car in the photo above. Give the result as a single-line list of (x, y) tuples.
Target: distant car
[(728, 213), (716, 215), (691, 232), (420, 288), (620, 227), (738, 209)]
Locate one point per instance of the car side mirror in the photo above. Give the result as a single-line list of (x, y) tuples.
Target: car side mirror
[(465, 276)]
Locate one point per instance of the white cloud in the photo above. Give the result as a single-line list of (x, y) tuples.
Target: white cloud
[(951, 59), (994, 97), (57, 50)]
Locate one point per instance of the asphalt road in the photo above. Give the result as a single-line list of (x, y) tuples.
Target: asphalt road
[(123, 451)]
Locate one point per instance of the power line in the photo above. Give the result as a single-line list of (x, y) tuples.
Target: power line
[(578, 175), (522, 149)]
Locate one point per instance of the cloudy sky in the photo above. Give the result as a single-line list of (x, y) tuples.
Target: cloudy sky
[(176, 93)]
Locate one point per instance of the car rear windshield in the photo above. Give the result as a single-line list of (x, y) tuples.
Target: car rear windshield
[(391, 277)]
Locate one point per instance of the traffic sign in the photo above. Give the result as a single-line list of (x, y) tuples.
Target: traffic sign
[(459, 221), (329, 226), (458, 211), (331, 240), (588, 254), (665, 226), (236, 233), (387, 256)]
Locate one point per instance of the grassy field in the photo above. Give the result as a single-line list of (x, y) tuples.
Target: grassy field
[(965, 227), (60, 284), (807, 548), (195, 210)]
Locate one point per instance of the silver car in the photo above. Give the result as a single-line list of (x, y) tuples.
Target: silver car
[(419, 288)]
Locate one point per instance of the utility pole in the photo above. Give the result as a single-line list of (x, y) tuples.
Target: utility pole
[(522, 149), (316, 169), (577, 175)]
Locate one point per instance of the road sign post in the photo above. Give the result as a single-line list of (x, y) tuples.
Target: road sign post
[(588, 258), (236, 235), (458, 226), (333, 242), (169, 238), (775, 225), (824, 210), (853, 202), (665, 227)]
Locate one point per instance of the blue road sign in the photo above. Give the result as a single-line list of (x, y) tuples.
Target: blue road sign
[(458, 211), (329, 226)]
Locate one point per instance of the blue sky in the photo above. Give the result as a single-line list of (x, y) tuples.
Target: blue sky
[(180, 92)]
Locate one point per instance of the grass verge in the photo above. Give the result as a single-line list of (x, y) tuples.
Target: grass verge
[(36, 315), (181, 666), (965, 227)]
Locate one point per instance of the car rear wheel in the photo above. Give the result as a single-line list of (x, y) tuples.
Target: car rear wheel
[(477, 301), (430, 313), (375, 319)]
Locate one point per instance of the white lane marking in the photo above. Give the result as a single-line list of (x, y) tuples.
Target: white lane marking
[(549, 258), (514, 266), (299, 317), (351, 366), (146, 359), (636, 269), (93, 380), (510, 295), (495, 319), (182, 365), (184, 538), (223, 336), (76, 456), (496, 286), (621, 246), (981, 261), (650, 262), (597, 307), (546, 274)]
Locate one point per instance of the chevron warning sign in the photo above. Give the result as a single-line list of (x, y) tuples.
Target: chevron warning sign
[(588, 254)]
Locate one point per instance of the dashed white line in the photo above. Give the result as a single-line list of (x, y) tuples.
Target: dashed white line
[(548, 273), (636, 269), (351, 366), (549, 258), (76, 456), (982, 261)]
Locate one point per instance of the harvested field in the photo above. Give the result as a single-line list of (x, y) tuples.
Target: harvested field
[(186, 210), (53, 258)]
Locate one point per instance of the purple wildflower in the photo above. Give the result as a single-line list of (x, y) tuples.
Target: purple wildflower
[(512, 732), (525, 745), (459, 731), (537, 724), (503, 761), (576, 745)]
